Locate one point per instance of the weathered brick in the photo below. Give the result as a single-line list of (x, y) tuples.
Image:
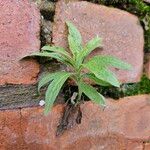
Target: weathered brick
[(19, 37), (123, 124), (147, 146)]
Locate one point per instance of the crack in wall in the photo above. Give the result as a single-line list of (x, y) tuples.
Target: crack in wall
[(47, 10)]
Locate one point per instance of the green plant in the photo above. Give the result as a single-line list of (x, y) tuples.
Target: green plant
[(97, 66)]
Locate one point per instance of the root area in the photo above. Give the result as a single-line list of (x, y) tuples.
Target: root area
[(72, 116)]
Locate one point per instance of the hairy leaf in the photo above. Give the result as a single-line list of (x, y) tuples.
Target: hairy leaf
[(90, 46), (57, 49), (56, 56), (106, 61), (47, 78), (95, 79), (108, 76), (48, 54), (53, 90), (74, 39), (99, 64), (102, 73), (92, 93)]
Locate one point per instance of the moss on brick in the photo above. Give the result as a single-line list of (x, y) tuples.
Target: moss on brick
[(143, 87)]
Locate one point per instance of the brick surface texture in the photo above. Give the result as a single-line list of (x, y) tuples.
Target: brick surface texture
[(123, 124), (19, 37)]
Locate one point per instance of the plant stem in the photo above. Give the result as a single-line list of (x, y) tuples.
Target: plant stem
[(80, 93), (78, 71)]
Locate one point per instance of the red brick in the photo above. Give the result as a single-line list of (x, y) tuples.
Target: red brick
[(123, 124), (147, 146), (10, 130), (121, 32), (19, 37), (135, 146), (133, 121)]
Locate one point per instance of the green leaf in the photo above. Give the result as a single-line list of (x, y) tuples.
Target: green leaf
[(56, 49), (116, 62), (95, 79), (99, 64), (102, 73), (90, 46), (61, 51), (56, 56), (47, 78), (92, 93), (108, 76), (107, 61), (74, 39), (48, 54), (53, 90)]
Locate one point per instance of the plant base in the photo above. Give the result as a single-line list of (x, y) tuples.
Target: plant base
[(72, 116)]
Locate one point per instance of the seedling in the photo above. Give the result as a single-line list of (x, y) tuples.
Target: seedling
[(76, 59)]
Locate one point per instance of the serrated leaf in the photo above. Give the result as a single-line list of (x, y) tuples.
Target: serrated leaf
[(91, 92), (108, 76), (102, 73), (107, 61), (56, 56), (47, 78), (53, 90), (74, 39), (95, 79), (90, 46), (116, 62), (48, 54), (99, 66), (60, 50)]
